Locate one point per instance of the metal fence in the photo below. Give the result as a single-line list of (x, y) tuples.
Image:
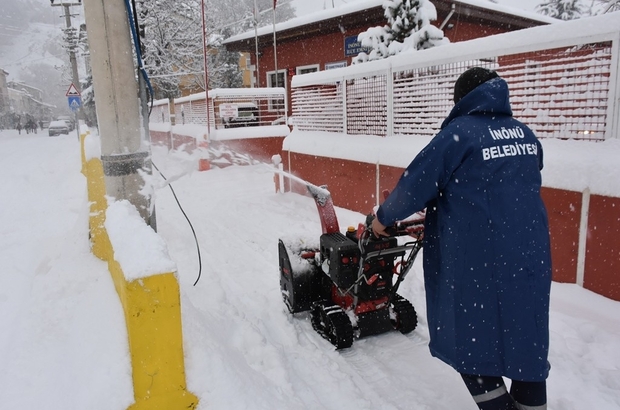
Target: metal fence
[(563, 80)]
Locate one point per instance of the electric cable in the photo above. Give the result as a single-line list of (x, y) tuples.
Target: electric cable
[(138, 46), (133, 24), (188, 221)]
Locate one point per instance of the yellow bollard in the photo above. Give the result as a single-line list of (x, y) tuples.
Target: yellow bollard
[(152, 308)]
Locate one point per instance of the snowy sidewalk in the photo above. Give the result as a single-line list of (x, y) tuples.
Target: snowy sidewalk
[(62, 334)]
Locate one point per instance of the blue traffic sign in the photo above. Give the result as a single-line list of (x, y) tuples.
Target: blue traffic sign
[(75, 102)]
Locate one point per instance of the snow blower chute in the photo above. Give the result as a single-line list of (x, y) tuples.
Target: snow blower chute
[(349, 282)]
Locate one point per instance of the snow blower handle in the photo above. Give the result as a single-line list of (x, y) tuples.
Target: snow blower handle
[(390, 230), (412, 226)]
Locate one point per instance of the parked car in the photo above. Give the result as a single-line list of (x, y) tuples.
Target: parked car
[(70, 121), (57, 128), (247, 116)]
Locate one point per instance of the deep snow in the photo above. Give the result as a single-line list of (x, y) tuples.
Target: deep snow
[(62, 335)]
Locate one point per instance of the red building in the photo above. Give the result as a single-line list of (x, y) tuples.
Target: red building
[(328, 39)]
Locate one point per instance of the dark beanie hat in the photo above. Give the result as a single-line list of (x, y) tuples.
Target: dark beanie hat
[(471, 79)]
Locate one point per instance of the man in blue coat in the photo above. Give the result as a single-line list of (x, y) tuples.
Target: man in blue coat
[(487, 263)]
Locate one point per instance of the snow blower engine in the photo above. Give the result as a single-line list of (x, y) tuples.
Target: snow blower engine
[(349, 282)]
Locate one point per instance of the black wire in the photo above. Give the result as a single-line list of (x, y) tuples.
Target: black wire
[(136, 23), (133, 26), (188, 221)]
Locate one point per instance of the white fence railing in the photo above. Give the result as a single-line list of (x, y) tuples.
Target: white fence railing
[(563, 79), (228, 108)]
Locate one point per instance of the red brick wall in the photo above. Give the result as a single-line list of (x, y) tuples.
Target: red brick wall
[(602, 264), (260, 149), (351, 183), (353, 186), (564, 211)]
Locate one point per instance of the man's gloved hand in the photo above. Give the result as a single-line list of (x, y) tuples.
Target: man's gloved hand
[(378, 229)]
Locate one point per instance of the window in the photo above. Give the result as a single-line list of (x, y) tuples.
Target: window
[(271, 79), (276, 105), (307, 69)]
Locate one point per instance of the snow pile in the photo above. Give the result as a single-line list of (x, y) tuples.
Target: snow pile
[(297, 246), (92, 147), (580, 165), (138, 249)]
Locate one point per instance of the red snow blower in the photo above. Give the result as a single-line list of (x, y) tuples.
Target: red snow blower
[(349, 282)]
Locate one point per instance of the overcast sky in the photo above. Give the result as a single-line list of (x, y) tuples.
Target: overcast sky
[(304, 7)]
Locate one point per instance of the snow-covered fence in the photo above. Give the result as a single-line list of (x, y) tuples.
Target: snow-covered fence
[(160, 112), (228, 108), (192, 110), (563, 80), (243, 107)]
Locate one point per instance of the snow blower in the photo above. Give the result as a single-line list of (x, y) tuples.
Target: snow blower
[(349, 282)]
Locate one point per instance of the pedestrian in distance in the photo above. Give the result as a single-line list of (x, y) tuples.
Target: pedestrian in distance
[(487, 262)]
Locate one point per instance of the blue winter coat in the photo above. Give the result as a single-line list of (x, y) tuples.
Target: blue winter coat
[(487, 264)]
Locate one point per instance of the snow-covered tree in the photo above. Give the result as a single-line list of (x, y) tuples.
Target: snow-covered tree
[(604, 6), (172, 40), (88, 102), (408, 27), (562, 9), (238, 15), (224, 69)]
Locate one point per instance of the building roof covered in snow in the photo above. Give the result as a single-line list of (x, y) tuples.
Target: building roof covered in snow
[(368, 10)]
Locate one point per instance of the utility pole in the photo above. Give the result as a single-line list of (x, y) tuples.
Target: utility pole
[(205, 63), (72, 45), (256, 43), (123, 149)]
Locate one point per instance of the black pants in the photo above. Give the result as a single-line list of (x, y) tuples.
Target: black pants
[(490, 393)]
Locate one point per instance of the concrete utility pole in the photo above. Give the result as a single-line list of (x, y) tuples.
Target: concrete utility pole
[(123, 152), (256, 42), (72, 39)]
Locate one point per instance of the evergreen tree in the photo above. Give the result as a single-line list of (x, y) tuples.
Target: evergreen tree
[(408, 27), (562, 9)]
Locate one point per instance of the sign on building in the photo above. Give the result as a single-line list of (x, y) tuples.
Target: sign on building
[(352, 47), (337, 64)]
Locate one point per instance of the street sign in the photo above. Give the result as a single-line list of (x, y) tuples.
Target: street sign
[(72, 91), (75, 102)]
